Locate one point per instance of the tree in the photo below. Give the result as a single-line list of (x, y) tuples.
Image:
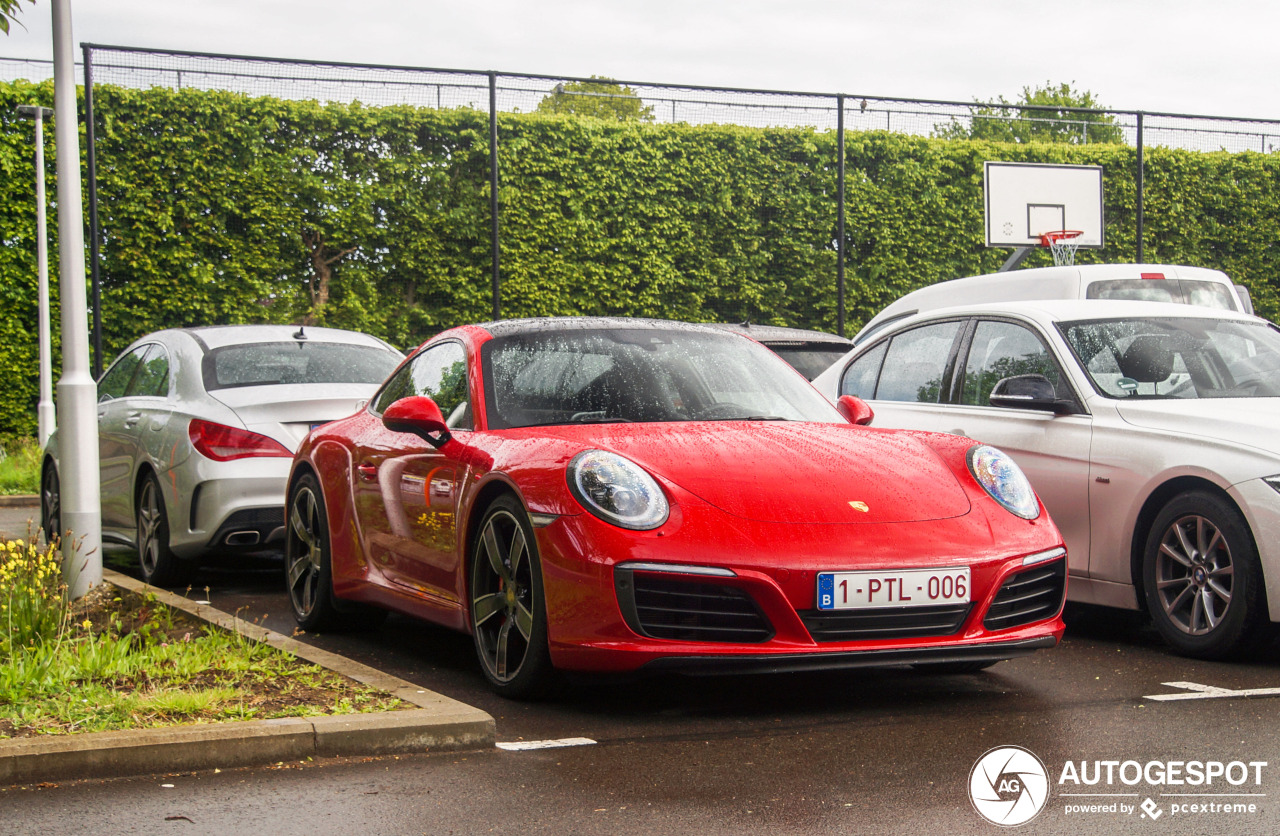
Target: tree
[(602, 98), (1052, 113), (9, 11)]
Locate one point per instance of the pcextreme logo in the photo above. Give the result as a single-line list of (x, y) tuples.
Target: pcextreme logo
[(1008, 786)]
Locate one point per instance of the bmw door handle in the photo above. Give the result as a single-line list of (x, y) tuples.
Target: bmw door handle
[(133, 419), (368, 472)]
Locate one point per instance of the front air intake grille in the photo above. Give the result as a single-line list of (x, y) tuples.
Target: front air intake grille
[(686, 610), (882, 624), (1031, 595)]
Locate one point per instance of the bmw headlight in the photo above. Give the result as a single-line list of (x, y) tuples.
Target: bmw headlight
[(1003, 480), (617, 490)]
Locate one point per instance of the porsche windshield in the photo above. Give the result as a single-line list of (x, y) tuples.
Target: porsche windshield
[(643, 375), (1178, 358)]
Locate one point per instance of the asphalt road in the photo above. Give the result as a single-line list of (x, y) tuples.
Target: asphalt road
[(884, 752)]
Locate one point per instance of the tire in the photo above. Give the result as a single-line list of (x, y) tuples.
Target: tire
[(308, 574), (507, 604), (308, 567), (1202, 578), (159, 565), (50, 504)]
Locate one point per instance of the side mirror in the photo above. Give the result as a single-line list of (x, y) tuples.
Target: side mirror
[(418, 416), (855, 410), (1029, 391)]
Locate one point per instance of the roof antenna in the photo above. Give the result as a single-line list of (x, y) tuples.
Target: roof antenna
[(300, 335)]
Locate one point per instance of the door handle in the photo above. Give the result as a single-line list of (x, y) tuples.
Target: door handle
[(134, 418), (368, 472)]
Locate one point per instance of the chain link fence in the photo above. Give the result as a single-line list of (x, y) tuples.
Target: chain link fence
[(499, 93)]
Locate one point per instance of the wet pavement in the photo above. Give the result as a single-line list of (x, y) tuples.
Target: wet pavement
[(865, 751)]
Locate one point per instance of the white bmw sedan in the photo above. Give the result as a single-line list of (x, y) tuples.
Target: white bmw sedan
[(196, 433), (1150, 431)]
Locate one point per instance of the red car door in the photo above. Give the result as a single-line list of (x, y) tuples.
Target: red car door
[(406, 492)]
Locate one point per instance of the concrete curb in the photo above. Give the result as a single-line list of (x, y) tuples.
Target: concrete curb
[(20, 501), (438, 724)]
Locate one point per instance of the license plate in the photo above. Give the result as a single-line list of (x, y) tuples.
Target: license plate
[(904, 588)]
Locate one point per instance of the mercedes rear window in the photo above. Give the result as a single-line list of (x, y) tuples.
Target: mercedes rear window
[(271, 364)]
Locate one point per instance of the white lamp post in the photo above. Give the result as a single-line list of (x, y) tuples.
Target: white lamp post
[(45, 415), (80, 490)]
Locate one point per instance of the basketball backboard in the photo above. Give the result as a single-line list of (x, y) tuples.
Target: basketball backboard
[(1025, 200)]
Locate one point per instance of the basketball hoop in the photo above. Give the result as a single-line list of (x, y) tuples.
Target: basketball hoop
[(1063, 243)]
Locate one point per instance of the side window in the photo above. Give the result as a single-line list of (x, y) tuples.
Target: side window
[(1004, 349), (114, 383), (860, 378), (439, 373), (916, 362), (152, 378)]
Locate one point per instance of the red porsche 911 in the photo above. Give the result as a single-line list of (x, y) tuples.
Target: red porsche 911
[(594, 494)]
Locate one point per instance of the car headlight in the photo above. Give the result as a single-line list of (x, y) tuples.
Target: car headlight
[(617, 490), (1003, 481), (1273, 481)]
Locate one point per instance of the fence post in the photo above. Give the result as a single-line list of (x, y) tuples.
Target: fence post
[(840, 245), (1140, 187), (493, 191), (91, 160)]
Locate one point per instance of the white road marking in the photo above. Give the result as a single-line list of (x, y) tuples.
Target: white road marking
[(524, 745), (1196, 691)]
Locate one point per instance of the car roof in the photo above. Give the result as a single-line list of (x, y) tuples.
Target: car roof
[(780, 334), (1078, 309), (1061, 282), (217, 336), (509, 327)]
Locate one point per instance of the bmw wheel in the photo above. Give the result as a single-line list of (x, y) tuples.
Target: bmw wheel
[(1202, 577), (508, 608), (160, 566)]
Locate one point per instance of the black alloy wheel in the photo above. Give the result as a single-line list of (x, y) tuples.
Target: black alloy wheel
[(508, 608), (308, 567)]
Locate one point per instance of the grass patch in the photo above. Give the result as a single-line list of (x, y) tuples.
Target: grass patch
[(118, 660), (19, 466)]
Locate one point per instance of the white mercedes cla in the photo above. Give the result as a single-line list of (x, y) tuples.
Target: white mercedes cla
[(1150, 430), (196, 433)]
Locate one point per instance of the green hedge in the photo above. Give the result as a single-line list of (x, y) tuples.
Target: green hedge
[(218, 208)]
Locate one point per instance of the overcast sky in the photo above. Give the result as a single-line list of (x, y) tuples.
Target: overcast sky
[(1213, 57)]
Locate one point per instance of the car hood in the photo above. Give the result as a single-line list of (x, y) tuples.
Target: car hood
[(288, 412), (1249, 422), (794, 472)]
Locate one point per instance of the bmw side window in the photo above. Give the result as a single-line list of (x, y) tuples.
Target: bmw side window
[(152, 376), (860, 378), (916, 363), (1004, 349), (439, 373), (116, 381)]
